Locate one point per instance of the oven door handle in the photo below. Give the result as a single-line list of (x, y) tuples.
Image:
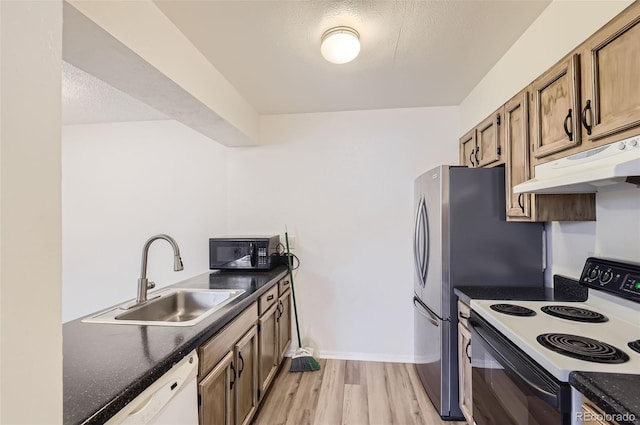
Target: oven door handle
[(550, 397)]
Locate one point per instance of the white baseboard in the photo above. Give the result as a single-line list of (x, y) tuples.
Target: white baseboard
[(365, 357)]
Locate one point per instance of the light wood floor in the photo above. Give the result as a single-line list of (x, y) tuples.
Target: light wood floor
[(348, 392)]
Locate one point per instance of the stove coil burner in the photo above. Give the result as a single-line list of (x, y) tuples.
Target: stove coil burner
[(576, 314), (582, 348), (635, 345), (512, 310)]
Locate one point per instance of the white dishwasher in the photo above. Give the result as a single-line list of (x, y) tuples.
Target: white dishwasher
[(171, 400)]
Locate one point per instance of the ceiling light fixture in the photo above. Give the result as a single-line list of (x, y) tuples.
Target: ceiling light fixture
[(340, 45)]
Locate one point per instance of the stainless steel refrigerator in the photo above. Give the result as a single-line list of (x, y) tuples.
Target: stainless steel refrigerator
[(461, 238)]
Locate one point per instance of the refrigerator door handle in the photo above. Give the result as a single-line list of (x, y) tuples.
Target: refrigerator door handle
[(424, 310), (425, 226), (419, 262)]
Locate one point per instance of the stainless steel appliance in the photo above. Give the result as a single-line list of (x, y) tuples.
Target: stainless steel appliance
[(245, 252), (523, 351), (461, 238)]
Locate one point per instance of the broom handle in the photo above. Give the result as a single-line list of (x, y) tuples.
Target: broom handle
[(293, 290)]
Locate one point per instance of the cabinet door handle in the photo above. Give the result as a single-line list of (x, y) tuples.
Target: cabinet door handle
[(471, 157), (241, 365), (566, 128), (466, 350), (521, 202), (476, 155), (233, 379), (584, 117), (463, 316)]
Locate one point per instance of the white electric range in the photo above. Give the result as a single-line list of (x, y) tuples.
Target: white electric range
[(524, 351)]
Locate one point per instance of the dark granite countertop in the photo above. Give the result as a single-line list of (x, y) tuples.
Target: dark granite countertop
[(615, 393), (108, 365), (564, 289)]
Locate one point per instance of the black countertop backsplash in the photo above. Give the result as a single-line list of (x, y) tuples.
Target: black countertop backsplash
[(564, 289), (108, 365)]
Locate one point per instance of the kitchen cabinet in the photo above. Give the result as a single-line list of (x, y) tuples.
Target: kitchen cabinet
[(598, 89), (518, 168), (227, 376), (246, 385), (481, 146), (556, 106), (611, 58), (215, 390), (591, 415), (284, 324), (464, 362), (268, 344)]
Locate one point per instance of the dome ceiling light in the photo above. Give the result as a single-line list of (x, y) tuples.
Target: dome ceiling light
[(340, 45)]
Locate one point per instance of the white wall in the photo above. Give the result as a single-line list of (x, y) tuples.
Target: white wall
[(343, 183), (30, 251), (559, 29), (123, 183)]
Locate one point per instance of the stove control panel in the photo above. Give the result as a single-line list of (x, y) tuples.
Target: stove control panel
[(619, 278)]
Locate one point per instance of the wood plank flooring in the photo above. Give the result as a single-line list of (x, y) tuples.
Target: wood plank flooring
[(345, 392)]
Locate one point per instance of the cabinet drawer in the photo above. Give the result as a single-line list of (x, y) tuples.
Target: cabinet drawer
[(284, 284), (463, 314), (268, 299), (212, 351)]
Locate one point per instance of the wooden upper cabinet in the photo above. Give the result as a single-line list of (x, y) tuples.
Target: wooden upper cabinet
[(516, 141), (611, 105), (468, 149), (556, 108), (488, 141), (480, 147)]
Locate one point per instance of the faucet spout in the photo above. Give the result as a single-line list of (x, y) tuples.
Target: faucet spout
[(143, 282)]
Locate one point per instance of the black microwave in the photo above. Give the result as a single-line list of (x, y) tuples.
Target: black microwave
[(245, 253)]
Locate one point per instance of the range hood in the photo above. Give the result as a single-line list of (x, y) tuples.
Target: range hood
[(615, 165)]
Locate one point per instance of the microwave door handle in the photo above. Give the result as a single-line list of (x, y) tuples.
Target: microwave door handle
[(549, 397), (416, 239), (252, 254)]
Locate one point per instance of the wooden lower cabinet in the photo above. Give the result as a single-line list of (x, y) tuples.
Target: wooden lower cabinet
[(591, 415), (238, 364), (284, 324), (246, 384), (464, 363), (268, 337), (216, 390)]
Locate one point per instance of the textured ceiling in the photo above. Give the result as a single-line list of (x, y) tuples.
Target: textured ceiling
[(87, 100), (414, 53)]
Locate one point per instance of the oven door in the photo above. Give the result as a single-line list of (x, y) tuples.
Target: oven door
[(508, 387)]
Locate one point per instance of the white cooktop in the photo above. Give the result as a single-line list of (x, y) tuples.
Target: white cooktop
[(622, 327)]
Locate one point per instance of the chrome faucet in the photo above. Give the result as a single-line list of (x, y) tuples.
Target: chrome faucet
[(143, 282)]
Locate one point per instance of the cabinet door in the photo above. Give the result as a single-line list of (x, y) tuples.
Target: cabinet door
[(284, 325), (468, 149), (488, 141), (611, 108), (268, 347), (464, 372), (214, 393), (246, 384), (516, 134), (556, 103)]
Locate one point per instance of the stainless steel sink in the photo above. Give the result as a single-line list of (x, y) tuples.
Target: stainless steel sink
[(169, 307)]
